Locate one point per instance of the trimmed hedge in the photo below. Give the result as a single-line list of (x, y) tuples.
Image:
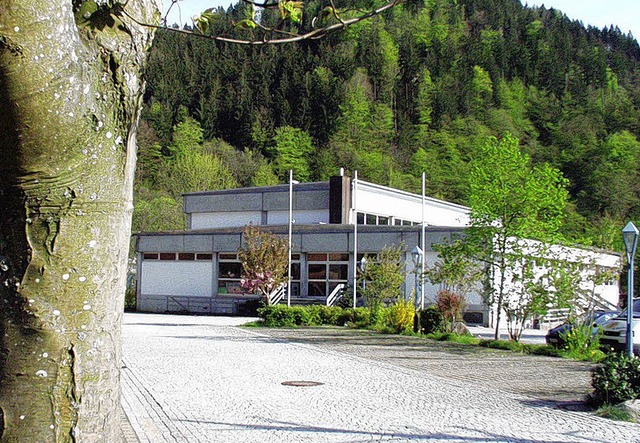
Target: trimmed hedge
[(313, 315)]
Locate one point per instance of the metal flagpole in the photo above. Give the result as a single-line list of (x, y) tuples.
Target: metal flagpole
[(355, 238), (422, 243), (290, 223)]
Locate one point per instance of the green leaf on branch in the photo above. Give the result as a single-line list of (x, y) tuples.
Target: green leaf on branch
[(290, 10), (246, 24)]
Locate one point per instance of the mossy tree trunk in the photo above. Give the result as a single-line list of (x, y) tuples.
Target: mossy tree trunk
[(70, 93)]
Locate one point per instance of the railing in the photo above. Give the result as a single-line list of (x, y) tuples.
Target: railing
[(581, 305), (337, 292), (276, 296), (177, 301)]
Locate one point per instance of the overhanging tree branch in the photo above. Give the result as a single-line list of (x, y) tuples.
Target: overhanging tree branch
[(289, 37)]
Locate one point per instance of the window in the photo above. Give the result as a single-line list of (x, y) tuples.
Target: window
[(326, 271), (186, 256), (229, 274), (167, 256), (149, 256), (372, 219), (295, 275)]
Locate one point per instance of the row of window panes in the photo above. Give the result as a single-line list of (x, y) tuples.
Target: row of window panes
[(184, 256), (230, 273), (326, 271), (382, 220)]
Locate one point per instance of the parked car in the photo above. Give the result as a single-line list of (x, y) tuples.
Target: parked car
[(614, 332), (555, 336)]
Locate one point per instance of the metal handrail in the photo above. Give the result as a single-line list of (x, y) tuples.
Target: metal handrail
[(337, 292), (277, 295)]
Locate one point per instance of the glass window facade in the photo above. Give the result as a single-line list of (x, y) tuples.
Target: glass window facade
[(325, 272)]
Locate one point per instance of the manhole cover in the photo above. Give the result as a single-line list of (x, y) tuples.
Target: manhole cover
[(301, 383)]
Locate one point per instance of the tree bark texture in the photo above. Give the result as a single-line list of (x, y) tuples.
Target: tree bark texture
[(70, 92)]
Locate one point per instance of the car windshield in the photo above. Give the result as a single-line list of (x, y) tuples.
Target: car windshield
[(636, 310), (604, 317)]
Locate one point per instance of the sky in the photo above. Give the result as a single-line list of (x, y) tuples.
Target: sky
[(600, 13)]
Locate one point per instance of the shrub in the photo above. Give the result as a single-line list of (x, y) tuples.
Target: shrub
[(130, 298), (579, 342), (430, 320), (314, 315), (304, 316), (277, 316), (362, 317), (616, 380), (450, 306), (325, 315), (400, 316)]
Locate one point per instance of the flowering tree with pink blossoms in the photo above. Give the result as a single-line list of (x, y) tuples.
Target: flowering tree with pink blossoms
[(264, 258)]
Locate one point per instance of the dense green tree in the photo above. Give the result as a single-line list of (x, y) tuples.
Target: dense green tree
[(292, 149), (194, 171), (510, 200), (615, 181)]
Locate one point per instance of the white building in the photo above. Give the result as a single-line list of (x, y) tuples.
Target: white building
[(197, 270)]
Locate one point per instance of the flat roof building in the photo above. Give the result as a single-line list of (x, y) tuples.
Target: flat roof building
[(334, 224)]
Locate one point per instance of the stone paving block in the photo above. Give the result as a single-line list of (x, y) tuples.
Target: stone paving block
[(203, 381)]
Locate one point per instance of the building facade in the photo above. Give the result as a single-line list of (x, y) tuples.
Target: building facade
[(334, 224)]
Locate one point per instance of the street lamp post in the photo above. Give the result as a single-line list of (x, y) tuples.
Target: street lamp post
[(417, 255), (363, 268), (630, 238)]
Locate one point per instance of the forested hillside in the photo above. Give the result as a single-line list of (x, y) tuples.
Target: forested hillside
[(416, 89)]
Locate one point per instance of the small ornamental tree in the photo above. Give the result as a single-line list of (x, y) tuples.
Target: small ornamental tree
[(450, 306), (384, 277), (264, 258)]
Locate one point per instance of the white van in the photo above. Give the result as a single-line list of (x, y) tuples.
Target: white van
[(614, 332)]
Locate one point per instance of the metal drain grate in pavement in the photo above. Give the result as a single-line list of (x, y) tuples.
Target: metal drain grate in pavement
[(301, 383)]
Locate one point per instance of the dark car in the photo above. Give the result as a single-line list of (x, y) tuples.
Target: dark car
[(555, 336)]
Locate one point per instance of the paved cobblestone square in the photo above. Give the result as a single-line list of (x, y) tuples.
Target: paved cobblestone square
[(202, 379)]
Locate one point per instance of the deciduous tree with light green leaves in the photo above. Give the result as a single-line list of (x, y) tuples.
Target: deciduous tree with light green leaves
[(510, 200)]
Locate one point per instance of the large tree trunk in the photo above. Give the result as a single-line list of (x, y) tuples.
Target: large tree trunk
[(70, 92)]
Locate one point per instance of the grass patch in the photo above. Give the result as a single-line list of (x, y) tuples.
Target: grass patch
[(613, 412), (594, 355), (455, 338), (504, 345), (524, 348), (254, 324)]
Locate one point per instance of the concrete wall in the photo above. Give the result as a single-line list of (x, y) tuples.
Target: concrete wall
[(214, 220), (300, 217), (188, 278)]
